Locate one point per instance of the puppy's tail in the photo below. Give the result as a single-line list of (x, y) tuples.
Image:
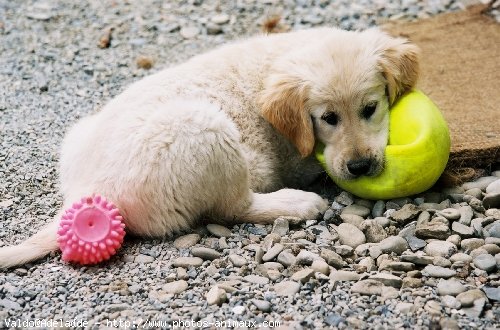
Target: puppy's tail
[(35, 247)]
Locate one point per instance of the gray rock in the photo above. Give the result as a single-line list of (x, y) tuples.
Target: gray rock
[(272, 252), (436, 228), (280, 226), (398, 266), (334, 320), (41, 12), (344, 275), (213, 29), (433, 307), (332, 258), (218, 230), (322, 234), (368, 263), (485, 262), (10, 305), (448, 324), (306, 257), (440, 248), (476, 252), (455, 239), (344, 198), (205, 253), (363, 250), (144, 259), (492, 240), (216, 296), (111, 308), (477, 308), (492, 293), (415, 243), (450, 214), (256, 279), (418, 259), (440, 261), (412, 282), (494, 230), (466, 214), (262, 305), (387, 279), (189, 32), (491, 248), (136, 288), (270, 240), (383, 221), (286, 288), (286, 258), (373, 231), (462, 230), (273, 265), (20, 272), (302, 275), (471, 244), (373, 287), (494, 187), (186, 241), (175, 287), (321, 266), (378, 209), (491, 200), (437, 271), (481, 183), (461, 257), (450, 287), (450, 302), (329, 215), (405, 308), (362, 211), (237, 260), (343, 250), (186, 262), (352, 219), (467, 298), (477, 226), (393, 244), (375, 251), (238, 310), (220, 18), (350, 235), (476, 205), (407, 213)]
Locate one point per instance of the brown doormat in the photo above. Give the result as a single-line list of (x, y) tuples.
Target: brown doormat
[(460, 72)]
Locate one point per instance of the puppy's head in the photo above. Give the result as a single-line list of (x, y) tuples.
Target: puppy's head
[(338, 90)]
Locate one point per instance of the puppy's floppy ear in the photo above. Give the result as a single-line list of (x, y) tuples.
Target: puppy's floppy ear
[(282, 104), (399, 60)]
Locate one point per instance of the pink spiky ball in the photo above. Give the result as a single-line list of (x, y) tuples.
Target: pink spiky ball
[(90, 231)]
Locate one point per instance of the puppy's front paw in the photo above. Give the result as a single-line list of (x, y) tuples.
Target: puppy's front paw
[(304, 204)]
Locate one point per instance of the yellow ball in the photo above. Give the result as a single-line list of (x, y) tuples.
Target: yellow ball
[(415, 157)]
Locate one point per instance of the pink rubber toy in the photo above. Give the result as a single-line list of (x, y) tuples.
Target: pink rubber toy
[(90, 231)]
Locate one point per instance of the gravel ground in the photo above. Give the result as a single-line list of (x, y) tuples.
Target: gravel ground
[(427, 262)]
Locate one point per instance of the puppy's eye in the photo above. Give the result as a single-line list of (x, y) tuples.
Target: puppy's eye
[(331, 118), (369, 110)]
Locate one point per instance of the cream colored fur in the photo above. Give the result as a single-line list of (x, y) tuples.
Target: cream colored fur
[(226, 134)]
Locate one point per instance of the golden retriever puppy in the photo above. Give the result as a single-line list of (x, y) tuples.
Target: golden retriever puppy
[(228, 133)]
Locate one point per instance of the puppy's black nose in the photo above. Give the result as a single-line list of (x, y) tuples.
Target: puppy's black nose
[(359, 166)]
